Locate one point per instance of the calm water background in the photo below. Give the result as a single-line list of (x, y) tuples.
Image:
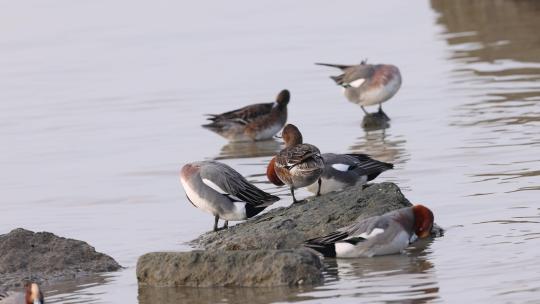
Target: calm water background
[(101, 102)]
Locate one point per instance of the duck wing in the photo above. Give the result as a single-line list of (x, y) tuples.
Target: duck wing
[(296, 155), (366, 165), (244, 115), (229, 182)]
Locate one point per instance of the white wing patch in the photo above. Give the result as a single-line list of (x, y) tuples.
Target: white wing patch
[(212, 185), (341, 167), (357, 83), (373, 233)]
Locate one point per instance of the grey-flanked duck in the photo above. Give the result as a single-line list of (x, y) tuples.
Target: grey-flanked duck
[(345, 170), (297, 165), (31, 295), (389, 233), (220, 190), (252, 123), (367, 84)]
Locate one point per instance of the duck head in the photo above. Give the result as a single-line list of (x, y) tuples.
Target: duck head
[(283, 98), (271, 173), (423, 221), (33, 294), (291, 135)]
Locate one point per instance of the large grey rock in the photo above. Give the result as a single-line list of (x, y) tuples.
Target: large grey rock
[(285, 228), (251, 268), (43, 256)]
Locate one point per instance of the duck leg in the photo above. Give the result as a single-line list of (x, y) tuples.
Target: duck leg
[(216, 219), (319, 189), (293, 198), (226, 225), (365, 112)]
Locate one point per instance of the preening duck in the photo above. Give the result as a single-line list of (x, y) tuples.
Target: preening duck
[(218, 189), (299, 164), (252, 123), (389, 233), (367, 84)]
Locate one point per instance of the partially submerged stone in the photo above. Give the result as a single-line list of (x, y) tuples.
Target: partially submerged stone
[(289, 227), (43, 256), (245, 268)]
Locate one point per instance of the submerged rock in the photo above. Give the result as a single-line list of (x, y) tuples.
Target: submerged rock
[(246, 268), (289, 227), (267, 250), (43, 256)]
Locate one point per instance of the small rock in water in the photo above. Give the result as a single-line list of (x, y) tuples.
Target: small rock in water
[(43, 256), (375, 121), (242, 268)]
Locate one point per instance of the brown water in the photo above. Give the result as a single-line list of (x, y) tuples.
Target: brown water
[(101, 102)]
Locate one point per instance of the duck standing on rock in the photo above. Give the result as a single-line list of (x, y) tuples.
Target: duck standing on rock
[(298, 165), (218, 189), (368, 84), (389, 233), (252, 123), (32, 295), (345, 170)]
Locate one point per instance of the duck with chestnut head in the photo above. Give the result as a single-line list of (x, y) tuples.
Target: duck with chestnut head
[(298, 164), (389, 233)]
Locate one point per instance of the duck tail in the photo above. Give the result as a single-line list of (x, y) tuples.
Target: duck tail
[(339, 66), (327, 250), (372, 166)]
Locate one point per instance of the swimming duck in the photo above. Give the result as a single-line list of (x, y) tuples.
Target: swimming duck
[(344, 170), (252, 123), (389, 233), (299, 164), (218, 189), (367, 84), (32, 295)]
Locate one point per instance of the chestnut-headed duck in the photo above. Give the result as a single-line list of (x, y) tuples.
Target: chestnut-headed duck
[(252, 123), (218, 189), (389, 233), (367, 84), (31, 295), (345, 170), (299, 164)]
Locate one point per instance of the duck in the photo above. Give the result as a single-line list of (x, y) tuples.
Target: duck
[(31, 295), (389, 233), (261, 121), (345, 170), (367, 84), (218, 189), (298, 164)]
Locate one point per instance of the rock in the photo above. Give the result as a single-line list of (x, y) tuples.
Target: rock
[(43, 256), (375, 121), (287, 228), (246, 268)]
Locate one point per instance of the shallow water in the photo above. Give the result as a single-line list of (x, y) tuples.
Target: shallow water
[(101, 102)]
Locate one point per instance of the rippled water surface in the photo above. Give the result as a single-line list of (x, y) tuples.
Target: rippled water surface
[(101, 102)]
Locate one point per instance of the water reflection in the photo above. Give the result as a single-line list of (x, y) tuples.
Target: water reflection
[(249, 149), (494, 45), (76, 291), (381, 146), (368, 277), (189, 295)]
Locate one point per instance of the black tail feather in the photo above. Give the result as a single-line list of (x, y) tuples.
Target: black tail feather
[(339, 66), (372, 167), (327, 250)]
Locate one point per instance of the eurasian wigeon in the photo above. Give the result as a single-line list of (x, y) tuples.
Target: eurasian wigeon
[(218, 189), (344, 170), (367, 84), (389, 233), (252, 123), (31, 295), (299, 164)]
